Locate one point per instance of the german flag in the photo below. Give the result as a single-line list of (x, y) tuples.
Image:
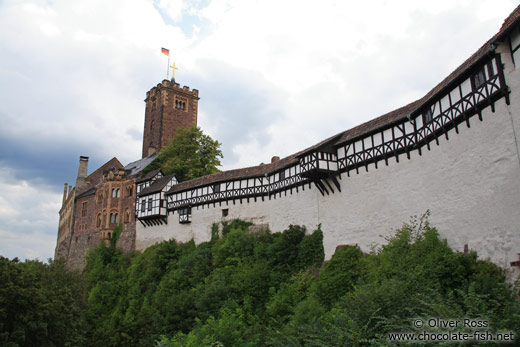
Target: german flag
[(165, 51)]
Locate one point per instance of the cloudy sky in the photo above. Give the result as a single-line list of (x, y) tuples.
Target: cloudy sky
[(274, 77)]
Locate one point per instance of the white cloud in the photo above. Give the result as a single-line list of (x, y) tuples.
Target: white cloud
[(173, 8)]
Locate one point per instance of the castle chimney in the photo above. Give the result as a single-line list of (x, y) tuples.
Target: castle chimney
[(82, 172), (64, 194), (275, 159)]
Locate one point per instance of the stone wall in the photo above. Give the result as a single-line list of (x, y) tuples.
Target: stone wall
[(163, 118)]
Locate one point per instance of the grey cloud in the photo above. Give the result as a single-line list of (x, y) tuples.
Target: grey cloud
[(241, 104)]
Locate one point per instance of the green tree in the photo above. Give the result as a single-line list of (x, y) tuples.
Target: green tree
[(191, 154), (40, 304)]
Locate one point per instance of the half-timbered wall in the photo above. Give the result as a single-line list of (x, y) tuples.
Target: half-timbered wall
[(457, 157), (455, 107), (248, 188), (145, 184), (154, 205)]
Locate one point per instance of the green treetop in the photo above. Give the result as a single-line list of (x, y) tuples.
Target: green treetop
[(191, 154)]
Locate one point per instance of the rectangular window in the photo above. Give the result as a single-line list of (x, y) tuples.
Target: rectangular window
[(150, 204), (185, 215), (427, 116), (479, 78), (143, 206), (84, 209), (282, 175), (216, 188)]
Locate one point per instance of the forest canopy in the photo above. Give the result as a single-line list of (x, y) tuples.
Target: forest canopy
[(259, 288)]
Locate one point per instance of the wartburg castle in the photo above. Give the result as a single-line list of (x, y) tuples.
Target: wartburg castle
[(454, 152)]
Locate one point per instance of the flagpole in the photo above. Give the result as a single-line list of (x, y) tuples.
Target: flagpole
[(168, 67)]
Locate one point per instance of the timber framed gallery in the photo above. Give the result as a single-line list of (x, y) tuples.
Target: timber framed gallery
[(453, 152)]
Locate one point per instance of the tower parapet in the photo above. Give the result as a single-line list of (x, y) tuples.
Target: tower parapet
[(168, 108)]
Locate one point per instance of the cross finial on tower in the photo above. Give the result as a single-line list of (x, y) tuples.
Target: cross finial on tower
[(173, 70)]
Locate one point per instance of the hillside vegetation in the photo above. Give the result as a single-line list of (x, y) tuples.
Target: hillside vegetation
[(252, 289)]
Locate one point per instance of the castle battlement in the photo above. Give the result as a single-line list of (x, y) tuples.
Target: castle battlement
[(173, 86)]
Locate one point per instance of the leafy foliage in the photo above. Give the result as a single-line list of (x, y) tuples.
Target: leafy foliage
[(40, 304), (252, 289), (190, 154)]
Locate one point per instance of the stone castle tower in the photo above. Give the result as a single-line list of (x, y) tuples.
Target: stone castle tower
[(168, 108)]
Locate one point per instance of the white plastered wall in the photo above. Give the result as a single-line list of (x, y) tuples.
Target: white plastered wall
[(470, 184)]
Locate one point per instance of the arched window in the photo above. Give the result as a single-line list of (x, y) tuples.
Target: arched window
[(98, 220), (127, 216), (114, 217), (118, 193), (104, 218)]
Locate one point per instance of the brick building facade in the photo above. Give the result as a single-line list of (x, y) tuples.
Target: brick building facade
[(168, 108), (100, 201)]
